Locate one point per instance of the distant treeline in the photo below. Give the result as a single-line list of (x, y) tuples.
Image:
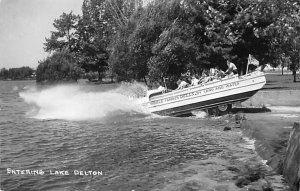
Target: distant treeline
[(22, 73), (127, 39)]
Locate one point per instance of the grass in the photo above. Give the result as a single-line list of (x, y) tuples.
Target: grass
[(277, 81)]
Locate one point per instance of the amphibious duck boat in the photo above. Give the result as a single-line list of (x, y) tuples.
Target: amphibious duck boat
[(219, 94)]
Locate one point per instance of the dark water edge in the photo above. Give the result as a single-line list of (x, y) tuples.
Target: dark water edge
[(135, 151)]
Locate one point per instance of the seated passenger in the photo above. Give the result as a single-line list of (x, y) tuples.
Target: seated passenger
[(161, 87), (195, 81), (181, 84), (204, 77), (219, 73), (212, 74)]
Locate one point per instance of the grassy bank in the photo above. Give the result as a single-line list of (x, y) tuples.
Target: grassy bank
[(277, 81)]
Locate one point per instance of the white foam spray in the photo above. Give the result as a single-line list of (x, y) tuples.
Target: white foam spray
[(74, 103)]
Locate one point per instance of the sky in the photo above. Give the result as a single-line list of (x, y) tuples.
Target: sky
[(24, 25)]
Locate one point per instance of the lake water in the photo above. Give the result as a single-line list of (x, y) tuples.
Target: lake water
[(87, 137)]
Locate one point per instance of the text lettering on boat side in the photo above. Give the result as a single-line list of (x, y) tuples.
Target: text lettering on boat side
[(195, 93), (232, 84)]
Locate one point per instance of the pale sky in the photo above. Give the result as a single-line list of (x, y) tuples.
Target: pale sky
[(24, 24)]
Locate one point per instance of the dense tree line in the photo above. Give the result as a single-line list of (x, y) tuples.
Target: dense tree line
[(22, 73), (60, 66), (165, 38)]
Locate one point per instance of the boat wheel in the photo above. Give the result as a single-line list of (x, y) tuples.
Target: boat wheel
[(223, 109)]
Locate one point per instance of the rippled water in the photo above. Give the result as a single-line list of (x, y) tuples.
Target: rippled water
[(99, 130)]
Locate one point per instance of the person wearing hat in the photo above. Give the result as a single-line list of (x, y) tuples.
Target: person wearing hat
[(232, 69)]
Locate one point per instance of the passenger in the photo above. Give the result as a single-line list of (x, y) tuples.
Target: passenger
[(212, 74), (195, 81), (181, 84), (187, 74), (188, 80), (219, 73), (161, 87), (232, 69), (204, 77)]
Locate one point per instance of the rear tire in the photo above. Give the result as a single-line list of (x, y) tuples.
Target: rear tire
[(224, 109)]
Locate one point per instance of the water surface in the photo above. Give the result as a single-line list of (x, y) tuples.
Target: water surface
[(99, 129)]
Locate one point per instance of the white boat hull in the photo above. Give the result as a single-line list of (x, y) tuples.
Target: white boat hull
[(203, 96)]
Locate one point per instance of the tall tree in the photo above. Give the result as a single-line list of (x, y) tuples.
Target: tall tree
[(124, 61), (64, 36), (95, 31), (285, 30)]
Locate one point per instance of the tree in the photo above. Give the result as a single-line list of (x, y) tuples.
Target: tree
[(169, 37), (95, 30), (58, 67), (4, 74), (128, 57), (286, 32), (22, 73), (64, 36)]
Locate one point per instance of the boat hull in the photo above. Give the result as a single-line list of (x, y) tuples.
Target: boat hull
[(181, 110), (204, 96)]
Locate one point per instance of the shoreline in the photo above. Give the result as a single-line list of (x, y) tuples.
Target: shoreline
[(271, 132), (270, 116), (270, 136), (237, 168)]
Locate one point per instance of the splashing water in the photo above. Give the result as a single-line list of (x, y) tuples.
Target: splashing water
[(75, 103), (132, 90)]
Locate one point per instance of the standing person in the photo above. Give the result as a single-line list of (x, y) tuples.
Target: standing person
[(232, 69)]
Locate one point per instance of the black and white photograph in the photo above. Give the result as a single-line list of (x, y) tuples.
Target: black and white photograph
[(149, 95)]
